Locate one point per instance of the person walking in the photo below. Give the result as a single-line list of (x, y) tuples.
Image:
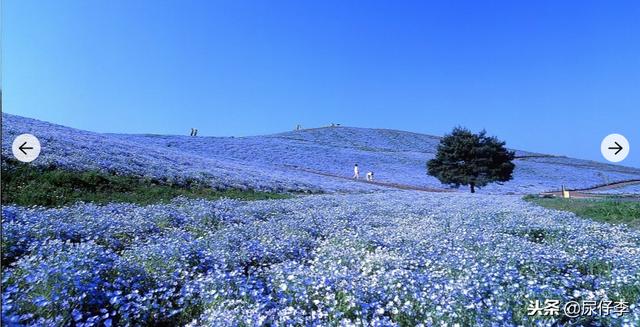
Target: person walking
[(191, 132), (356, 172)]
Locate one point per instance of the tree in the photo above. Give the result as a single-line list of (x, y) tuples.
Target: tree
[(465, 158)]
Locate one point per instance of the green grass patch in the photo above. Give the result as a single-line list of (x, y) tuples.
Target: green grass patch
[(535, 235), (27, 185), (595, 267), (607, 210)]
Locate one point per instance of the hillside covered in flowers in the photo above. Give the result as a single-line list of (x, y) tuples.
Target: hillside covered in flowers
[(359, 254), (306, 160)]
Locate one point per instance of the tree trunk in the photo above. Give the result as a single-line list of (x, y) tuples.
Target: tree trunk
[(472, 186)]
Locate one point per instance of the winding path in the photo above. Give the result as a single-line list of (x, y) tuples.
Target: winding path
[(582, 193), (379, 183), (609, 186), (586, 193)]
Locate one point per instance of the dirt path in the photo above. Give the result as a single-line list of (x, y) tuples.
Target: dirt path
[(379, 183), (587, 193), (582, 193), (610, 186)]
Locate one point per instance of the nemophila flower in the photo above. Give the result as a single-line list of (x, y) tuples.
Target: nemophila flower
[(287, 161), (394, 258)]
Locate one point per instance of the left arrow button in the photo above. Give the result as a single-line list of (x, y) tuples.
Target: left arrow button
[(26, 147)]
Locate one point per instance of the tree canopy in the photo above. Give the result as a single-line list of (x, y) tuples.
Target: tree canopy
[(465, 158)]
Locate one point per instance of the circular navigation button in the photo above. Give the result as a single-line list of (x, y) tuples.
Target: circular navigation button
[(614, 147), (26, 148)]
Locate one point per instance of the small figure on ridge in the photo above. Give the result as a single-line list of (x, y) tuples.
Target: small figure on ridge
[(370, 176)]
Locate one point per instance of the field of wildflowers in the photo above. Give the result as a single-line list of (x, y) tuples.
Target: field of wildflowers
[(281, 162), (360, 255), (389, 258)]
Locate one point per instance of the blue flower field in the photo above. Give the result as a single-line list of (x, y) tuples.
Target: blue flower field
[(338, 253), (289, 161)]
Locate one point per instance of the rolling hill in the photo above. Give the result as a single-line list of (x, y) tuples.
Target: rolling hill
[(312, 160)]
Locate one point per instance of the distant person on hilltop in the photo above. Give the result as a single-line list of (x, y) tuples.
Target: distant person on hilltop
[(191, 132), (370, 176), (195, 132), (356, 172)]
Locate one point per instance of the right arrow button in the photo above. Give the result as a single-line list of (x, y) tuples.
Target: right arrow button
[(614, 147), (617, 147)]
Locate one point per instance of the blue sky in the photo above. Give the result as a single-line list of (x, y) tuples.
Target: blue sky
[(546, 76)]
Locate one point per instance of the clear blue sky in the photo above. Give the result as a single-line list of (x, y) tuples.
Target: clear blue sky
[(546, 76)]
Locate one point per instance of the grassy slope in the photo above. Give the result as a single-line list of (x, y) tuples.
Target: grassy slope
[(26, 185), (607, 210)]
